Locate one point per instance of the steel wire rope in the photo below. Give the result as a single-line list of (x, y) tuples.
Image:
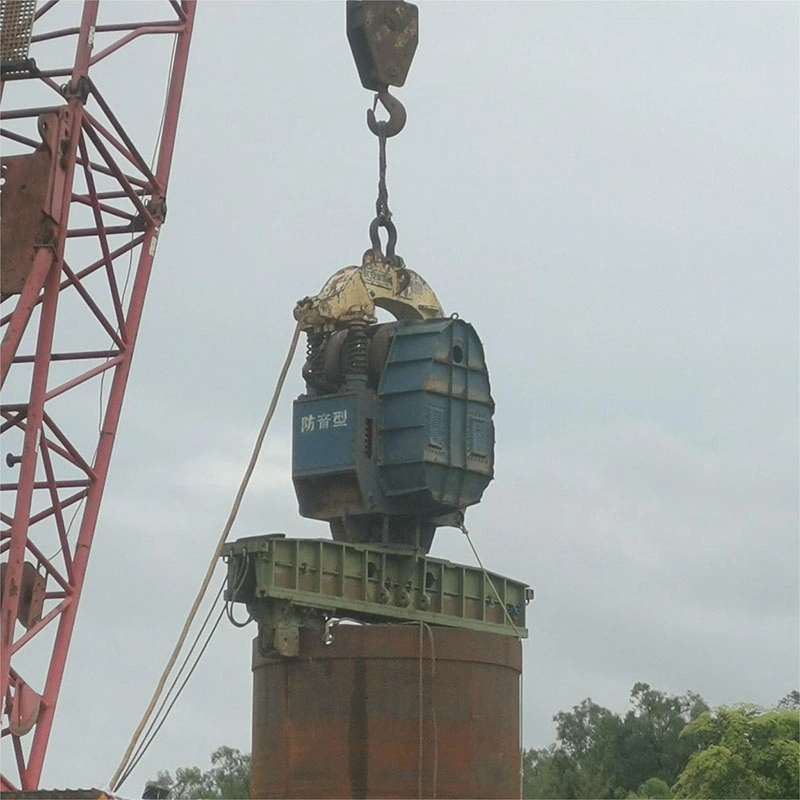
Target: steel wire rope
[(157, 143), (434, 721), (421, 720), (156, 723), (114, 782), (463, 528), (434, 718), (521, 748), (238, 582), (156, 720), (133, 765)]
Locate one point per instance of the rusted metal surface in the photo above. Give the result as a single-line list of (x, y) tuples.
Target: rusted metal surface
[(16, 27), (352, 294), (31, 185), (31, 594), (345, 719), (23, 709), (383, 36)]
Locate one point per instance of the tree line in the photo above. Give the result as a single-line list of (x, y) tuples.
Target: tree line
[(664, 746), (669, 746)]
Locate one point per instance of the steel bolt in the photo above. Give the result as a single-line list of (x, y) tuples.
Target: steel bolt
[(12, 461)]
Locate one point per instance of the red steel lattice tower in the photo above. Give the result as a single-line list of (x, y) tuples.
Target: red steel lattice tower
[(82, 208)]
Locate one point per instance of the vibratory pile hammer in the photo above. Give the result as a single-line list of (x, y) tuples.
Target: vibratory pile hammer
[(392, 438), (394, 435)]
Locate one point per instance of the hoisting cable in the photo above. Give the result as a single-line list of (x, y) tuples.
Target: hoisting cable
[(115, 780), (434, 721), (463, 528), (158, 719), (147, 744)]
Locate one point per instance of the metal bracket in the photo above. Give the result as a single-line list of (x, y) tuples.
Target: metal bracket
[(30, 200), (279, 626)]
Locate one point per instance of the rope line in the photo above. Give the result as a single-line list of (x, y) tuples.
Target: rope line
[(420, 701), (421, 721), (158, 719), (434, 719), (463, 529), (115, 780)]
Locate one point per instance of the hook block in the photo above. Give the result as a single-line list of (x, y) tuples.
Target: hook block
[(383, 36)]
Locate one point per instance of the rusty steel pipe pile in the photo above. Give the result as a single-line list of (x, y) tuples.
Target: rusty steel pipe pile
[(345, 719)]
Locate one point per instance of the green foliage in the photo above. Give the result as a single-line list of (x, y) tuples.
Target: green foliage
[(743, 752), (228, 778), (548, 773), (651, 744), (652, 789), (663, 741), (598, 754)]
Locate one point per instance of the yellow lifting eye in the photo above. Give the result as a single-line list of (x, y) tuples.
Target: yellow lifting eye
[(351, 295)]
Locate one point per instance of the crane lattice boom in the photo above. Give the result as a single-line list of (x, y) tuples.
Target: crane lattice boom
[(84, 189)]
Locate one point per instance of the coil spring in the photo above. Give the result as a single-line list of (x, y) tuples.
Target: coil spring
[(314, 366), (356, 349)]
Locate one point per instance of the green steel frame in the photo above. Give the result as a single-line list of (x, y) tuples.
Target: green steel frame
[(288, 583)]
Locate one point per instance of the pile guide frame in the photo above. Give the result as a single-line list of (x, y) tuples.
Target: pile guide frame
[(292, 583)]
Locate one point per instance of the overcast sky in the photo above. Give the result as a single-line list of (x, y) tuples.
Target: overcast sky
[(609, 193)]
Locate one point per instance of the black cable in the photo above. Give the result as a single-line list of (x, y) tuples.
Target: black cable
[(149, 741), (180, 671), (156, 723)]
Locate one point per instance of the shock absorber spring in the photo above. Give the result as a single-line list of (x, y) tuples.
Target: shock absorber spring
[(356, 348), (313, 369)]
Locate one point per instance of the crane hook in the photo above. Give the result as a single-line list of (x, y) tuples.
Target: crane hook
[(396, 111)]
